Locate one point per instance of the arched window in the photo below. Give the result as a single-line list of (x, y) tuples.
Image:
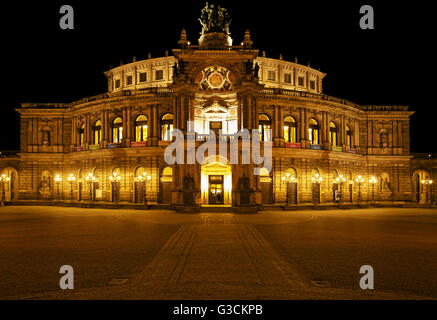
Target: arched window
[(333, 134), (167, 171), (348, 137), (82, 135), (167, 174), (313, 132), (290, 130), (117, 130), (97, 132), (141, 128), (264, 128), (166, 127)]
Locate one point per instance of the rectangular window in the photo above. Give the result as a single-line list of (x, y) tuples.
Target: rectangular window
[(286, 133), (159, 75), (141, 133), (271, 75), (143, 77), (312, 85), (300, 81), (117, 83), (167, 132), (129, 80), (287, 78)]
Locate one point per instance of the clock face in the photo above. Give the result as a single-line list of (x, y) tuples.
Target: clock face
[(215, 78)]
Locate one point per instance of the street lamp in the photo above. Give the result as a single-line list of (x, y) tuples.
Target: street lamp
[(359, 180), (4, 180), (58, 180), (341, 179), (114, 179), (372, 181), (428, 182), (316, 179), (71, 178), (90, 178)]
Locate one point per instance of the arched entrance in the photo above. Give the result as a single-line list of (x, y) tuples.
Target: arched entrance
[(266, 186), (141, 178), (422, 185), (216, 182), (166, 185), (316, 179), (9, 186), (291, 179), (115, 184)]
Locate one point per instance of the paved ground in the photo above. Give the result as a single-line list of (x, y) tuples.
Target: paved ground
[(132, 254)]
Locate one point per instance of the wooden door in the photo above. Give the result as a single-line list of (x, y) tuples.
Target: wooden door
[(291, 192)]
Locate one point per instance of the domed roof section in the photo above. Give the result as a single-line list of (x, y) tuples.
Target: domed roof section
[(215, 21)]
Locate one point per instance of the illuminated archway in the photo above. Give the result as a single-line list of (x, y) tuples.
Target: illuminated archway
[(422, 186), (216, 181), (10, 184)]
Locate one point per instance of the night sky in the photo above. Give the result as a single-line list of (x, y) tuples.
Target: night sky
[(390, 65)]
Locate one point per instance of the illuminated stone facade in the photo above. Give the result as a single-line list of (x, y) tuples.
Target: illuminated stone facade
[(320, 143)]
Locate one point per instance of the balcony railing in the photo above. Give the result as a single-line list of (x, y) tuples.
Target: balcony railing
[(304, 94)]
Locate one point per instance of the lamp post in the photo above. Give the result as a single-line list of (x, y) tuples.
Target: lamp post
[(359, 180), (425, 183), (372, 181), (90, 178), (4, 180), (115, 178), (341, 180), (58, 180), (71, 178)]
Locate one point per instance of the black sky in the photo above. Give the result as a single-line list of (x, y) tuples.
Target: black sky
[(392, 64)]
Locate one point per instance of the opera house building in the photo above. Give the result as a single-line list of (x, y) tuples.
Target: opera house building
[(110, 148)]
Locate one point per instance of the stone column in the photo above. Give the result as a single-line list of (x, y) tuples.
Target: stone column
[(275, 125), (124, 137), (342, 141), (324, 130), (87, 130), (107, 129), (74, 131), (281, 127), (128, 126), (155, 125)]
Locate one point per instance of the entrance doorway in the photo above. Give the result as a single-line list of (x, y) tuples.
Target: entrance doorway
[(216, 182), (315, 193), (216, 190), (291, 192)]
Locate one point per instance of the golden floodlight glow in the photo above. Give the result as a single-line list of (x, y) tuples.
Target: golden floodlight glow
[(218, 167)]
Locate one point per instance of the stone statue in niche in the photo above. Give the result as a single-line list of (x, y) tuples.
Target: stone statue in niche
[(383, 138), (45, 137), (385, 182), (45, 185)]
